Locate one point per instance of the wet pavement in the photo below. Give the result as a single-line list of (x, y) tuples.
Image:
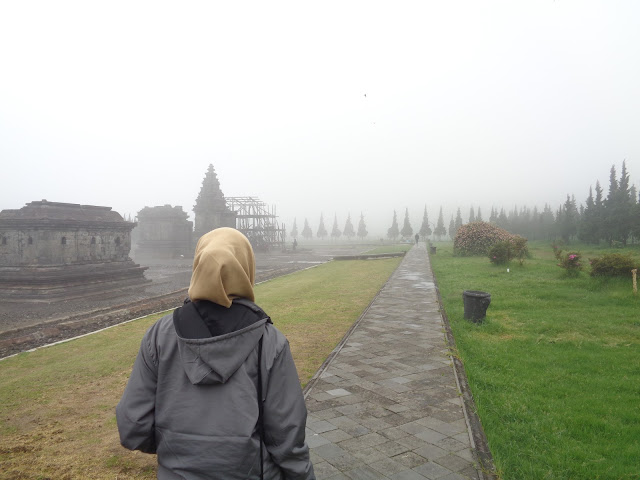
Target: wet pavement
[(386, 404)]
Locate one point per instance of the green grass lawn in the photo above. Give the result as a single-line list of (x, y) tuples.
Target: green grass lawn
[(57, 404), (555, 367)]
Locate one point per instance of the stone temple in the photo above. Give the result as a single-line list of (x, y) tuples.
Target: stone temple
[(163, 232), (52, 251), (211, 209)]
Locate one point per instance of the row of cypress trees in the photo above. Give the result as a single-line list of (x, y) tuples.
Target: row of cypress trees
[(348, 230)]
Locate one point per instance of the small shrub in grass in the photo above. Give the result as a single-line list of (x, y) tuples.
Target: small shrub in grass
[(557, 250), (612, 265), (503, 252), (570, 261), (477, 238), (500, 253)]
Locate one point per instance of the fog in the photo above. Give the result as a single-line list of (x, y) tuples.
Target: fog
[(324, 107)]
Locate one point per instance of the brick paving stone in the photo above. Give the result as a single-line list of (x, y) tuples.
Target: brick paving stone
[(387, 466), (324, 469), (432, 470), (392, 448), (410, 459), (431, 452), (369, 440), (453, 462), (369, 455), (321, 426), (365, 472), (336, 435), (412, 442), (454, 476), (387, 404), (431, 436), (393, 433), (408, 475)]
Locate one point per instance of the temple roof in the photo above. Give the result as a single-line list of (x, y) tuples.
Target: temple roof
[(62, 212), (210, 196)]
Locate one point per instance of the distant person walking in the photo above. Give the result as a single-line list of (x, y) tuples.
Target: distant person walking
[(417, 238), (214, 390)]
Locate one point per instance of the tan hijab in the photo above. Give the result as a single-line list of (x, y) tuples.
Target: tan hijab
[(223, 268)]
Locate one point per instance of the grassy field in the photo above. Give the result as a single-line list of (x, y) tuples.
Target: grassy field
[(555, 367), (57, 404)]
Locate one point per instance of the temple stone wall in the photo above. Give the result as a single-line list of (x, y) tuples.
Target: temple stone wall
[(58, 246), (61, 250), (163, 232)]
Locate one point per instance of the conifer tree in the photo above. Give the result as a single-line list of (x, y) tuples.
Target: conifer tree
[(616, 207), (294, 230), (479, 216), (362, 228), (406, 231), (348, 228), (306, 230), (440, 228), (335, 231), (588, 228), (393, 231), (472, 216), (322, 231), (493, 217), (425, 229), (567, 219), (452, 228), (547, 221), (458, 222)]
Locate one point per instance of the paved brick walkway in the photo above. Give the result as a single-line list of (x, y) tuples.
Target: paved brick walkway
[(387, 405)]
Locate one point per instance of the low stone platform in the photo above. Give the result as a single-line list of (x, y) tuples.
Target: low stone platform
[(387, 403)]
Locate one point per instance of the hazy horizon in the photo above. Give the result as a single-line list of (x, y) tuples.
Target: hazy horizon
[(335, 108)]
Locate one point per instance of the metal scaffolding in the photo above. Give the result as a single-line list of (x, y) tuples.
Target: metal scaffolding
[(258, 222)]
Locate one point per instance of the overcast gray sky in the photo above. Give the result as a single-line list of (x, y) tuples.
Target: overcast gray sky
[(333, 107)]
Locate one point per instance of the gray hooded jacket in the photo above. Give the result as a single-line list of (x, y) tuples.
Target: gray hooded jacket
[(192, 397)]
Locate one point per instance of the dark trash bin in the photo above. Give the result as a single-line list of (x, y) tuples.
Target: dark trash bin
[(432, 250), (475, 304)]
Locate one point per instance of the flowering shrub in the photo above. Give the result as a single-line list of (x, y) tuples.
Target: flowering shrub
[(571, 263), (477, 238), (500, 253), (612, 265)]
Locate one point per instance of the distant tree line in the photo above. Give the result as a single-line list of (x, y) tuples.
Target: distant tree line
[(348, 230), (613, 218)]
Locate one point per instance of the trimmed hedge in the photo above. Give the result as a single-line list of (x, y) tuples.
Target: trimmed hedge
[(477, 238)]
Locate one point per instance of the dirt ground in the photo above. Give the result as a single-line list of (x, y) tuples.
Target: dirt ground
[(27, 325)]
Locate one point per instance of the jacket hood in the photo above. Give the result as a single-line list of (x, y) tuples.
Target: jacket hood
[(208, 359)]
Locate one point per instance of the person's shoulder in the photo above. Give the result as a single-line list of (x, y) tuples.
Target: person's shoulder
[(275, 339), (161, 327)]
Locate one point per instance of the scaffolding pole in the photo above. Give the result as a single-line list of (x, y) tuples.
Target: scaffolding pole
[(258, 222)]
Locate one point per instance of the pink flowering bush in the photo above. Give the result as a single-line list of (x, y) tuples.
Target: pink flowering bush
[(477, 238), (570, 261)]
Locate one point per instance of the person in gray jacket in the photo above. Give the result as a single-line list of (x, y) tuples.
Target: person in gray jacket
[(214, 390)]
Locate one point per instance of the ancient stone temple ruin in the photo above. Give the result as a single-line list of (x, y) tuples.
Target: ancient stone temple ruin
[(211, 208), (163, 232), (53, 251)]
